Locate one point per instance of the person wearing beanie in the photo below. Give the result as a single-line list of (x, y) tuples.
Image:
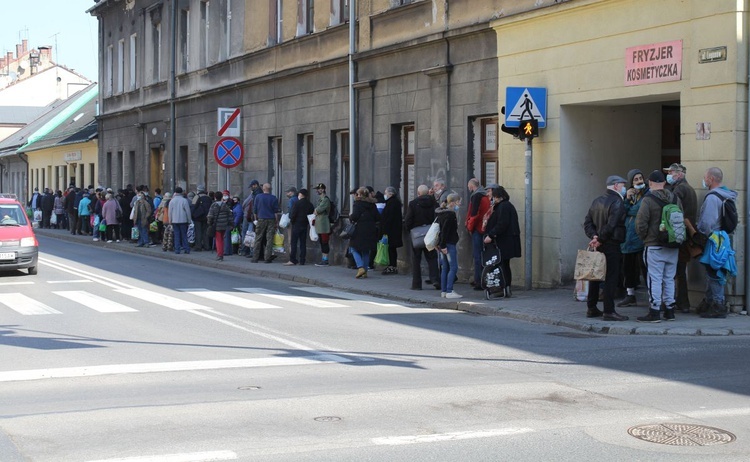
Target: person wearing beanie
[(678, 184), (605, 226), (632, 248), (661, 260)]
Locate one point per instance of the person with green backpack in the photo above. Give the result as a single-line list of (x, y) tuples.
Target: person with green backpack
[(661, 226)]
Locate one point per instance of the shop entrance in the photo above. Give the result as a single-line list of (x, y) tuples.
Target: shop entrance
[(608, 138), (156, 176)]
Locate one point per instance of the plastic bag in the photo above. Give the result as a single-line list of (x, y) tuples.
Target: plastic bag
[(432, 237), (37, 215), (135, 233), (153, 227), (53, 219), (103, 226), (235, 236), (381, 257), (313, 233), (191, 234), (284, 221), (278, 242), (249, 239), (581, 291), (96, 221)]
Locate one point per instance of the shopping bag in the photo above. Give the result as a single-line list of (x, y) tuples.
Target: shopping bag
[(313, 233), (278, 242), (349, 230), (53, 219), (103, 226), (37, 215), (381, 257), (432, 237), (284, 221), (590, 266), (235, 236), (190, 234), (581, 291), (135, 233), (249, 239), (153, 227)]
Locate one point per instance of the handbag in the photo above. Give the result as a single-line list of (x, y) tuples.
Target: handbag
[(432, 237), (381, 257), (590, 265), (349, 230), (417, 236), (135, 233)]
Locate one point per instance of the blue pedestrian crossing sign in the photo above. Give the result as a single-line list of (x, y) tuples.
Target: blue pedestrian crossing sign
[(523, 103)]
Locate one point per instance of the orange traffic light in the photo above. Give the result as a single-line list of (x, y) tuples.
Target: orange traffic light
[(528, 129)]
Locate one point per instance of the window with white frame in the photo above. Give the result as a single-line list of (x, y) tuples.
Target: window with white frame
[(204, 52), (276, 22), (305, 17), (184, 42), (339, 12), (133, 80), (156, 52), (120, 66), (109, 71)]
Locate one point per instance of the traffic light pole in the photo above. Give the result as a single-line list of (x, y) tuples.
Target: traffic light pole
[(527, 216)]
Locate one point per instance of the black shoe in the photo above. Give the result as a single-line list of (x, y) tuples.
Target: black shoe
[(715, 311), (270, 260), (628, 301), (669, 314), (428, 281), (652, 316), (593, 312), (614, 317), (220, 258), (703, 307), (254, 260), (478, 288), (436, 286), (416, 288)]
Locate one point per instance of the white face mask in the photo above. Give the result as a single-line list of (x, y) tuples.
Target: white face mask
[(670, 179), (705, 186), (225, 197), (640, 186)]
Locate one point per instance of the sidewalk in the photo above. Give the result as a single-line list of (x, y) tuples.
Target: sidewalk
[(543, 306)]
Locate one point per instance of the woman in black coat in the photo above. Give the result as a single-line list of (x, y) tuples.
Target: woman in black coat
[(365, 215), (503, 229), (392, 224)]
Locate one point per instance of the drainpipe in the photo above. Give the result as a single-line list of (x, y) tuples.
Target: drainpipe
[(747, 189), (172, 93), (353, 160)]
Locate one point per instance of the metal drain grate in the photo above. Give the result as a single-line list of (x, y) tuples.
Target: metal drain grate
[(677, 434)]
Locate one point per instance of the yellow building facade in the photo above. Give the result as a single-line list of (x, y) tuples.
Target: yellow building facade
[(630, 84)]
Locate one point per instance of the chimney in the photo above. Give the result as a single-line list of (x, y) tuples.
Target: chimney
[(19, 51), (46, 53), (9, 58), (25, 45)]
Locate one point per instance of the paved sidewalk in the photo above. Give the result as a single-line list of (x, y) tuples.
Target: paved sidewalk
[(544, 306)]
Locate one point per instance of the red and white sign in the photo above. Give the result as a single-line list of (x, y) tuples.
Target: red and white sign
[(229, 152), (229, 121), (658, 62)]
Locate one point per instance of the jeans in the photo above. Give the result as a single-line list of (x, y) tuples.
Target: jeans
[(362, 259), (449, 265), (227, 241), (143, 235), (661, 266), (476, 251), (714, 286), (299, 239), (180, 237)]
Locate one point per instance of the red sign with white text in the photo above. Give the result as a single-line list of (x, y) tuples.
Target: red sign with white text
[(658, 62)]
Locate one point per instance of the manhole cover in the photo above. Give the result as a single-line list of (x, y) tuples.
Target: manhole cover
[(677, 434), (327, 418)]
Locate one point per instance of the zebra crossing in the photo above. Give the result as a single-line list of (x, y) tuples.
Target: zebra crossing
[(129, 299)]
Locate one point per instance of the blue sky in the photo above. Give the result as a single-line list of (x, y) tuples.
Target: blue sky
[(39, 21)]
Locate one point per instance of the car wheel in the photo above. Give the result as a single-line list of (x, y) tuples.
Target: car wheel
[(32, 271)]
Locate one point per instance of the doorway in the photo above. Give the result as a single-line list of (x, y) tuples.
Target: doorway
[(156, 173)]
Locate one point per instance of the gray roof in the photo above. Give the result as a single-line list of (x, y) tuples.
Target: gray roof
[(79, 126), (21, 115)]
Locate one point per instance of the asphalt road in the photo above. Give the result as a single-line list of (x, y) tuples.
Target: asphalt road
[(112, 356)]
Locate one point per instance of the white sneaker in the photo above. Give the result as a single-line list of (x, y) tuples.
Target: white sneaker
[(96, 239), (117, 240), (452, 295), (442, 294), (109, 242)]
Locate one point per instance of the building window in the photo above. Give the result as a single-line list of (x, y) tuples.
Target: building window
[(119, 172), (130, 177), (339, 12), (408, 149), (184, 40), (342, 141), (305, 17), (121, 66), (306, 159), (202, 164), (109, 71), (204, 58), (156, 51), (489, 129), (276, 22), (274, 164), (181, 174), (226, 49), (133, 62)]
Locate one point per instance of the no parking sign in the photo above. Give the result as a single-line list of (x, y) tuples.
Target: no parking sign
[(229, 152)]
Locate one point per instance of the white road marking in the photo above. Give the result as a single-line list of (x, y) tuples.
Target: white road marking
[(454, 436), (347, 296), (316, 302), (19, 283), (26, 305), (184, 457), (98, 278), (94, 302), (708, 413), (163, 300), (73, 281), (229, 299), (180, 366)]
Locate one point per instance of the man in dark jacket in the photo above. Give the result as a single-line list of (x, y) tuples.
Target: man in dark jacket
[(201, 205), (605, 226), (661, 260), (679, 185), (300, 225), (421, 211), (48, 204)]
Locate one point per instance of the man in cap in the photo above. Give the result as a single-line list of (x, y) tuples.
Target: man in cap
[(661, 261), (605, 226), (291, 195), (322, 223), (678, 184), (201, 205)]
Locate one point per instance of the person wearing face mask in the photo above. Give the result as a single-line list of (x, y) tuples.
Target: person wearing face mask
[(392, 223), (632, 248), (219, 220), (605, 226), (678, 184), (503, 229)]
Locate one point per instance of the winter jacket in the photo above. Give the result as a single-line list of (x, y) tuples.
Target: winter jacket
[(200, 208), (84, 207), (266, 206), (220, 216), (503, 229), (391, 222), (179, 209), (632, 243), (649, 216), (142, 212), (59, 205), (710, 215), (300, 210), (606, 219), (365, 215), (421, 211), (479, 204), (688, 198), (237, 214), (322, 223), (109, 212), (448, 222)]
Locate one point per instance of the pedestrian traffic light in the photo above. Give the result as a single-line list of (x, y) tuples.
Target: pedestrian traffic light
[(528, 129)]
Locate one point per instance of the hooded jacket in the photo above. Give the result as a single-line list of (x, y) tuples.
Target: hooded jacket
[(649, 216), (710, 215), (633, 243), (448, 222), (479, 204)]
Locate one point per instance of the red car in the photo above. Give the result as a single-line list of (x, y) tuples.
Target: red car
[(19, 248)]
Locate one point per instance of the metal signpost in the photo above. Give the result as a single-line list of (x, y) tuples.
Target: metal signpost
[(527, 115)]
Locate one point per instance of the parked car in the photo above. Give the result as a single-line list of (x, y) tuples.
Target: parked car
[(19, 248)]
